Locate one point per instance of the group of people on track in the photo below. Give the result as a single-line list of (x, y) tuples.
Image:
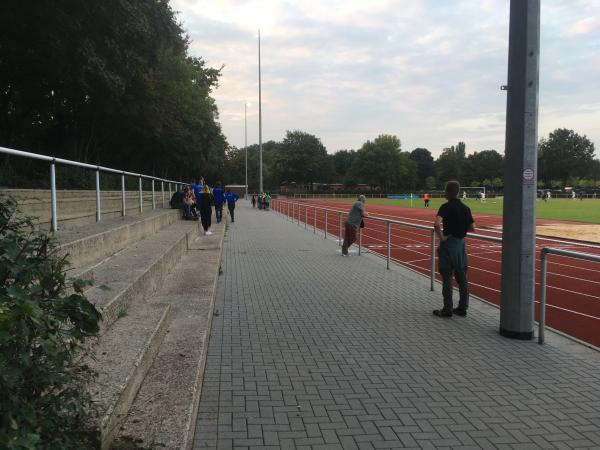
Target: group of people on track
[(452, 223)]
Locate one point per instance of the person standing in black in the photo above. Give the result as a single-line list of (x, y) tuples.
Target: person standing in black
[(456, 219), (205, 204)]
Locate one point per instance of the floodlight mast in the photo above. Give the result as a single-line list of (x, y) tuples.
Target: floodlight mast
[(520, 174), (260, 149)]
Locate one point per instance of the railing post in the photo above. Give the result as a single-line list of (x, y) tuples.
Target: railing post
[(153, 202), (315, 220), (123, 203), (98, 210), (305, 216), (432, 259), (340, 229), (170, 191), (543, 276), (359, 241), (325, 224), (141, 195), (54, 224), (389, 246), (288, 211), (162, 190), (298, 215)]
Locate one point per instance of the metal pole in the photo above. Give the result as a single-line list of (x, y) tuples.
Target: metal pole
[(389, 251), (123, 204), (298, 214), (260, 149), (54, 224), (141, 195), (315, 220), (169, 191), (153, 200), (359, 241), (246, 144), (162, 190), (340, 229), (543, 279), (98, 211), (305, 216), (432, 260), (520, 172), (325, 224)]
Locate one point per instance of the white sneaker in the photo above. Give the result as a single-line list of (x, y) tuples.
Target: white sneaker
[(208, 233)]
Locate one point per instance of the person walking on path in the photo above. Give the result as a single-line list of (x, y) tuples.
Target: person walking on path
[(231, 199), (218, 199), (426, 199), (456, 219), (253, 201), (355, 217), (205, 206)]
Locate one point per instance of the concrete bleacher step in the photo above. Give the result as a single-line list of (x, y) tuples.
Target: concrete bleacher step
[(90, 245), (132, 328), (122, 358), (164, 412)]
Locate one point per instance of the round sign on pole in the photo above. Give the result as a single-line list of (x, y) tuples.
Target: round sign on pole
[(528, 174)]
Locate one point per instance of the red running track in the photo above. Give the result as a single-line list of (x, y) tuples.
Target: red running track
[(573, 285)]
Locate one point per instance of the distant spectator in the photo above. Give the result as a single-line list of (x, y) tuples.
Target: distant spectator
[(267, 201), (355, 217), (581, 195), (219, 199), (259, 200), (464, 197), (205, 206), (189, 204), (456, 219), (573, 194), (253, 201), (426, 199), (231, 199)]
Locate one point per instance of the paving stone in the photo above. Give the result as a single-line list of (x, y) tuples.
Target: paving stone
[(309, 349)]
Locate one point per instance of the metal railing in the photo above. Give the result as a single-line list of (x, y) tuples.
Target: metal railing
[(543, 279), (98, 169), (282, 206)]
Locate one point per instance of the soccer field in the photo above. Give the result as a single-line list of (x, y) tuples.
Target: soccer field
[(587, 210)]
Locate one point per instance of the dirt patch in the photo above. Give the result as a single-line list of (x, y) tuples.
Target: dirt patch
[(588, 232)]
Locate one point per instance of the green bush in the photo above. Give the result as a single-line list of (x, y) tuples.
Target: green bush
[(45, 323)]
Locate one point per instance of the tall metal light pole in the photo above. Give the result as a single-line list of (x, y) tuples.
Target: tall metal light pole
[(246, 143), (260, 178), (520, 171)]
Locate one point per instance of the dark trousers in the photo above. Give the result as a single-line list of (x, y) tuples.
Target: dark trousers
[(349, 237), (205, 219), (463, 288), (231, 208), (219, 212)]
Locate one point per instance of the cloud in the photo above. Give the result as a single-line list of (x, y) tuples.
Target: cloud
[(427, 71)]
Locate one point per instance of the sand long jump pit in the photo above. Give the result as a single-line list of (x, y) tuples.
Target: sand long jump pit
[(584, 232)]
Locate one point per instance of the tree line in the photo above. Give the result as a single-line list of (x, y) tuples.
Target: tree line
[(108, 83), (300, 159)]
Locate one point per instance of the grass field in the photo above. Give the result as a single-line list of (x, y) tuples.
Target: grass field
[(587, 211)]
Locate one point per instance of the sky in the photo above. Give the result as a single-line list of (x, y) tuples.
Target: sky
[(427, 71)]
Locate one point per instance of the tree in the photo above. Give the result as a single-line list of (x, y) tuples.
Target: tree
[(430, 183), (564, 154), (425, 165), (302, 158), (342, 161), (486, 164), (449, 166), (381, 163)]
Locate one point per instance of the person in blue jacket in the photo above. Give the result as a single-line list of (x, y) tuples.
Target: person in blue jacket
[(231, 199), (218, 199)]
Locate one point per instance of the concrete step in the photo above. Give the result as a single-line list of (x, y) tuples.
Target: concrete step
[(122, 358), (89, 245), (137, 271), (164, 412)]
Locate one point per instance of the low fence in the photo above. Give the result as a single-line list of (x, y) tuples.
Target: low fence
[(98, 169), (330, 221)]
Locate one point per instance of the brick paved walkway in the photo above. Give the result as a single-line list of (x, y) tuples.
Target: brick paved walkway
[(312, 350)]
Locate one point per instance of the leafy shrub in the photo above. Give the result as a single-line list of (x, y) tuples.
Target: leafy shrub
[(44, 325)]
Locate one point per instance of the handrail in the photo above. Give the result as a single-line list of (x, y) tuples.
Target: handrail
[(388, 222), (53, 201), (543, 278)]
